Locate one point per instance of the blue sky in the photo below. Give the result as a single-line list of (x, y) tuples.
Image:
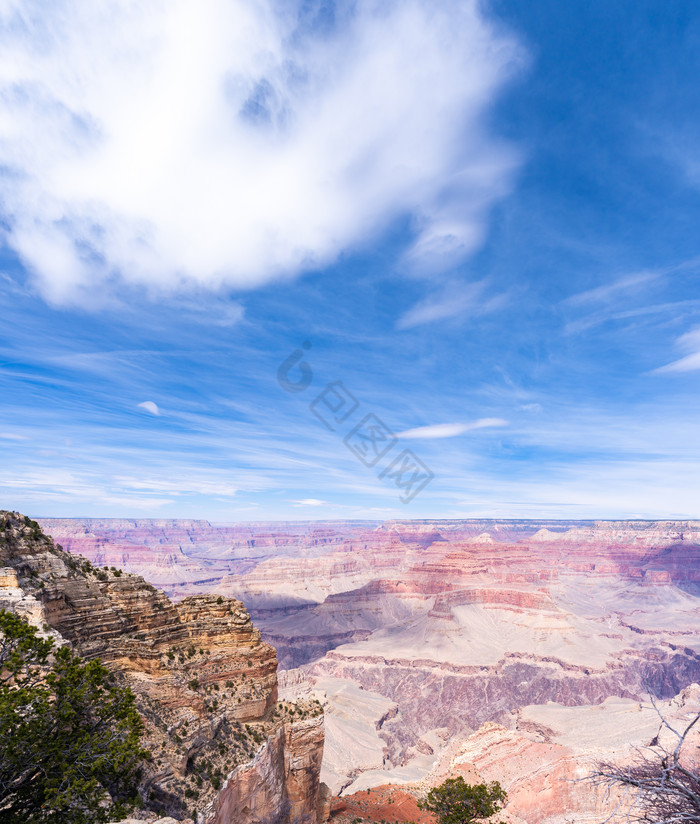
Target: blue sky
[(482, 217)]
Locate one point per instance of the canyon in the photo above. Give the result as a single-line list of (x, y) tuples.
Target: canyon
[(413, 635)]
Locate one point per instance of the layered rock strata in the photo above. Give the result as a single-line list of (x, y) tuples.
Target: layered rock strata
[(205, 683)]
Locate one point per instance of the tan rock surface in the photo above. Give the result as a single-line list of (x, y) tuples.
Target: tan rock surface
[(205, 683), (282, 782)]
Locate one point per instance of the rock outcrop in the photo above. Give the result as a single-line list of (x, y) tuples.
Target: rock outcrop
[(281, 783), (205, 683)]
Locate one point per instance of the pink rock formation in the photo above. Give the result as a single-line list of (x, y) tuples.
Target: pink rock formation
[(545, 762)]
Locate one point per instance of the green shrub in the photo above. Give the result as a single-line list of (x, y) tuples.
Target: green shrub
[(68, 733), (456, 802)]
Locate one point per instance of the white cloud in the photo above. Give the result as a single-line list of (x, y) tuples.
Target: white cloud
[(450, 430), (11, 436), (608, 291), (309, 502), (151, 407), (690, 363), (689, 342), (615, 301), (451, 300), (190, 484), (223, 143), (606, 315)]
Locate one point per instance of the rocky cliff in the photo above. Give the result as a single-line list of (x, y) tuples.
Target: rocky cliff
[(223, 747)]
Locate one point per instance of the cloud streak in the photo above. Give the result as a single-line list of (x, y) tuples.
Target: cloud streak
[(449, 430), (609, 291), (451, 301), (225, 144), (690, 362), (309, 502)]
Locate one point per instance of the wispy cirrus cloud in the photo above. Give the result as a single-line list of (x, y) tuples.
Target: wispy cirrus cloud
[(608, 291), (689, 342), (197, 483), (309, 502), (451, 301), (449, 430), (615, 301), (227, 143), (574, 327)]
